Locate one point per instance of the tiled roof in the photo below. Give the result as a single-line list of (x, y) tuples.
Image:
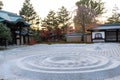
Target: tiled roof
[(11, 17), (106, 27)]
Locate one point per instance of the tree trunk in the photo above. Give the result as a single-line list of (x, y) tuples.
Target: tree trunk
[(83, 27)]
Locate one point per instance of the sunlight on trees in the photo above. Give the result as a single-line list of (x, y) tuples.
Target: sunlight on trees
[(29, 14), (1, 4), (115, 18), (86, 13)]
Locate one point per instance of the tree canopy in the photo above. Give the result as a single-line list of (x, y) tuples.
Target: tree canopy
[(96, 5), (5, 32), (86, 13), (63, 17), (59, 19), (1, 4), (115, 18), (28, 13), (50, 21)]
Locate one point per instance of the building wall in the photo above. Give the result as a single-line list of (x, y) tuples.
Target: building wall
[(106, 36), (101, 32), (98, 36)]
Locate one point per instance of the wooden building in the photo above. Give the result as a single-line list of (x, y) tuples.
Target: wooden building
[(19, 28), (106, 33)]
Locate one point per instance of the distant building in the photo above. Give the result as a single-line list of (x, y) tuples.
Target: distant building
[(105, 33), (18, 27)]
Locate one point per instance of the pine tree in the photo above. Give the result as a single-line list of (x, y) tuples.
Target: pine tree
[(50, 22), (28, 12), (63, 17)]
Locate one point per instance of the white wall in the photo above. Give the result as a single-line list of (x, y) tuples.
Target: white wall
[(93, 34)]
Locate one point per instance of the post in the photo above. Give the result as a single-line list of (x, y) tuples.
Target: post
[(28, 37), (20, 34)]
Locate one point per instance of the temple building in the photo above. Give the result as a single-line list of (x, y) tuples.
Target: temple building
[(19, 28), (106, 33)]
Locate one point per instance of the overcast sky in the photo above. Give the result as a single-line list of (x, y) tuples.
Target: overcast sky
[(43, 6)]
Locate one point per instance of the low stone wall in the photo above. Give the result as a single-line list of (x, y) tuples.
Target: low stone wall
[(78, 38), (73, 38)]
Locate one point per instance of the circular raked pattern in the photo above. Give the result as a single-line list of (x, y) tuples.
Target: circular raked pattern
[(67, 67)]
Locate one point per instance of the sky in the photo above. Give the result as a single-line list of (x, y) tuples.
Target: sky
[(42, 7)]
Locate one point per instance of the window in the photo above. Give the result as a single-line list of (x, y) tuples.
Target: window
[(111, 36)]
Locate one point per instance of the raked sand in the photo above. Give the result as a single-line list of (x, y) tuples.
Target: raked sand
[(98, 61)]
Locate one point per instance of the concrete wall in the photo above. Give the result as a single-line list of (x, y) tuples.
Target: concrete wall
[(73, 38), (87, 38)]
